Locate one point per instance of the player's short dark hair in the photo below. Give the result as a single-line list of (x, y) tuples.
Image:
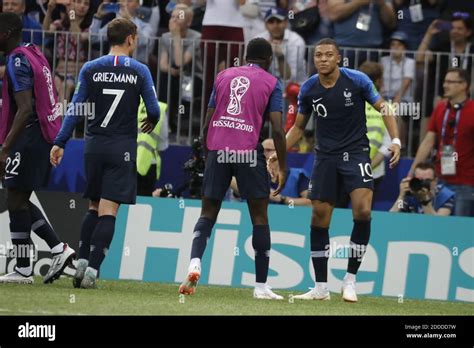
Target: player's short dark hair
[(373, 70), (118, 30), (425, 166), (259, 49), (463, 75), (10, 22), (328, 41)]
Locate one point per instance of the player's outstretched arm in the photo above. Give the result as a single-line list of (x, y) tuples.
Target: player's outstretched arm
[(391, 124), (296, 132), (25, 108), (278, 135), (148, 94), (71, 118)]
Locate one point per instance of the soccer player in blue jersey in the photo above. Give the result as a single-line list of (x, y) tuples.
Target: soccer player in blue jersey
[(114, 84), (336, 97)]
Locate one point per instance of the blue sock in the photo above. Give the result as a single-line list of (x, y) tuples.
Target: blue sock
[(320, 252), (261, 244), (41, 227), (101, 239), (20, 229), (87, 229), (359, 240), (202, 233)]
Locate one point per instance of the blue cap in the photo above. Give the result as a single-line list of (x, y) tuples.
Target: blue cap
[(276, 12), (399, 36)]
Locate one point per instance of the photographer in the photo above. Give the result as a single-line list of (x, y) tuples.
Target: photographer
[(423, 195)]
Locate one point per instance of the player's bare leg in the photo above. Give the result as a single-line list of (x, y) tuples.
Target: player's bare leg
[(320, 220), (100, 241), (361, 211), (202, 232), (87, 229), (261, 243)]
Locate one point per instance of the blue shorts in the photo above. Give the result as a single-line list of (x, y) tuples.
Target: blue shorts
[(28, 166), (110, 177), (252, 177), (334, 174)]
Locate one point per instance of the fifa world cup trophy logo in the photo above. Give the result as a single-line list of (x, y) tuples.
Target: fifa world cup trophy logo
[(238, 87)]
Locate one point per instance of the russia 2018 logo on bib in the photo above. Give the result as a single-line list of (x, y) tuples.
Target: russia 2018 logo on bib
[(238, 87)]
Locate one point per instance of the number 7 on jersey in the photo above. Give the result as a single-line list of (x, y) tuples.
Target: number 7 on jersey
[(118, 93)]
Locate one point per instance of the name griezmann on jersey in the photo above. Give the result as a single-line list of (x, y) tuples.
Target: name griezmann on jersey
[(113, 77)]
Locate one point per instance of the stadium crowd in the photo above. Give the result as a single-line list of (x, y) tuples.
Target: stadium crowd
[(186, 42)]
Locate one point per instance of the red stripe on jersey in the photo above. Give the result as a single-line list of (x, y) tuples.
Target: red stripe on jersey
[(116, 60)]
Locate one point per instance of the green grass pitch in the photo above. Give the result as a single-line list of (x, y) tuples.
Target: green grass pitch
[(140, 298)]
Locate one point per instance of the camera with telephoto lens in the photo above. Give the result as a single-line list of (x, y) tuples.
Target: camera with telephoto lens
[(419, 184), (194, 168)]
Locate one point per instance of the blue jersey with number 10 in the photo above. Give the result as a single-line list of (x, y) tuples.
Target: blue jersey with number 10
[(108, 94), (339, 111)]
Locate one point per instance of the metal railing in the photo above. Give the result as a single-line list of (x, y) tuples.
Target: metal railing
[(186, 89)]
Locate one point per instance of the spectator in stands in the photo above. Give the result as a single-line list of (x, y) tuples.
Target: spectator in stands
[(127, 9), (414, 18), (198, 6), (31, 26), (253, 21), (224, 22), (180, 49), (398, 75), (451, 132), (423, 194), (71, 48), (459, 46), (288, 47), (311, 34), (360, 23)]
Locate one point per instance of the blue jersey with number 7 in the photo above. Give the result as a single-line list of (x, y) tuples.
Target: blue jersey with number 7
[(108, 95)]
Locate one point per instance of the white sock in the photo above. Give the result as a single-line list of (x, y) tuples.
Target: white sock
[(350, 277), (26, 271), (58, 248), (92, 270), (196, 262), (322, 285), (261, 286)]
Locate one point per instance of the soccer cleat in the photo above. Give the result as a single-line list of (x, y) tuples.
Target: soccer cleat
[(81, 266), (16, 277), (89, 280), (265, 294), (316, 293), (349, 292), (188, 286), (59, 263)]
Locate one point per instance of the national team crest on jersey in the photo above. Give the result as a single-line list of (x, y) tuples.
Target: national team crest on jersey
[(238, 87), (348, 96)]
